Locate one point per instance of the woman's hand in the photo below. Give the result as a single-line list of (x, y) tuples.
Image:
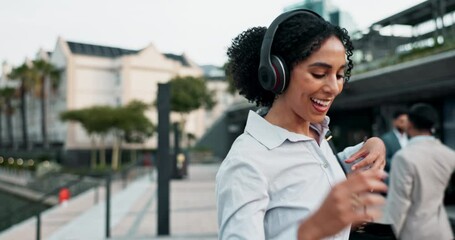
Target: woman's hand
[(373, 154), (349, 202)]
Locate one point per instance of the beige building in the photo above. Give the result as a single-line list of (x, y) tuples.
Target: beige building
[(102, 75)]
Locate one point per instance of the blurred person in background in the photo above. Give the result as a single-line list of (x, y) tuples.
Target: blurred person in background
[(419, 176), (396, 138)]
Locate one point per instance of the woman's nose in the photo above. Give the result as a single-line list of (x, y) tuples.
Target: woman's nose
[(332, 85)]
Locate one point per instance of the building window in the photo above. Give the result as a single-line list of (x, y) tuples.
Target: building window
[(118, 79)]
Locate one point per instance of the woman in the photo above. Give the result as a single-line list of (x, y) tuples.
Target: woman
[(280, 179)]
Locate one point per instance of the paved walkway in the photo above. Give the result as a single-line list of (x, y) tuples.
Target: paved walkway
[(133, 211)]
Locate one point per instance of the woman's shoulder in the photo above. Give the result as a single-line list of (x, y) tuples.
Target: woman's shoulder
[(246, 142), (244, 148), (245, 152)]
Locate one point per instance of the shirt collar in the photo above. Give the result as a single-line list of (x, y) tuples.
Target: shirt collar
[(421, 138), (398, 134), (321, 128), (272, 136)]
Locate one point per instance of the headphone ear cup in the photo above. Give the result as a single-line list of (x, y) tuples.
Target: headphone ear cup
[(281, 74)]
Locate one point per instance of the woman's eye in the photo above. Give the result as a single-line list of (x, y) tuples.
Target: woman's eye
[(319, 76), (340, 77)]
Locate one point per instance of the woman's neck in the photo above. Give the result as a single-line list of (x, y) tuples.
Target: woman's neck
[(284, 117)]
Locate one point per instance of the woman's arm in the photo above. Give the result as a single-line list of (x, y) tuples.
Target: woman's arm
[(242, 199), (370, 154)]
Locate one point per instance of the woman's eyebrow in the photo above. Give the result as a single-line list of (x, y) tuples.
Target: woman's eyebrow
[(321, 64), (325, 65)]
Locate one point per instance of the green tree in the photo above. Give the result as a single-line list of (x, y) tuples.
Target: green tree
[(188, 94), (7, 94), (24, 74), (130, 124), (127, 123), (140, 128), (80, 116), (231, 85), (96, 121), (2, 103), (43, 72), (101, 121)]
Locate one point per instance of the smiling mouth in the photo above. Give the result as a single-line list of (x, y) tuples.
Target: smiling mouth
[(320, 102)]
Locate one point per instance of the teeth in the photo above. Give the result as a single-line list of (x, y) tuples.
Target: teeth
[(324, 103)]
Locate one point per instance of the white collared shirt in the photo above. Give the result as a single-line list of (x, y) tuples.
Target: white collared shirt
[(402, 138), (420, 138), (272, 179)]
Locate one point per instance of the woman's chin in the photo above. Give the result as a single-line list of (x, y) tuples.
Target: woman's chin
[(318, 118)]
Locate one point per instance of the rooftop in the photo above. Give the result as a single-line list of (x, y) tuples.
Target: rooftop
[(114, 52)]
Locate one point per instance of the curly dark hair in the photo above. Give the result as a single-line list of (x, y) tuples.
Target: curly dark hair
[(294, 41)]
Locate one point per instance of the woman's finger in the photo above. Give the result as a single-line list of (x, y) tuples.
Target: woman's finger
[(368, 207), (359, 154), (366, 181), (379, 164), (371, 199), (365, 163)]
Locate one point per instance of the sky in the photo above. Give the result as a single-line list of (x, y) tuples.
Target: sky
[(202, 29)]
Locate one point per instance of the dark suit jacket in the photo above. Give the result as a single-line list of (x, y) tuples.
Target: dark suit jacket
[(392, 145)]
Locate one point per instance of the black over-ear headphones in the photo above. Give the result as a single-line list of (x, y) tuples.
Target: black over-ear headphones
[(273, 72)]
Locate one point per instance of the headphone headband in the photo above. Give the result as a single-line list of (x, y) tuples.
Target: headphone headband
[(272, 70)]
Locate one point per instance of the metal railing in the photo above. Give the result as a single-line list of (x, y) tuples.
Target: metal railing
[(27, 207), (121, 175)]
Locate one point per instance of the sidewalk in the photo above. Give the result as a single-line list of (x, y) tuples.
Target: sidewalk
[(193, 209), (133, 211)]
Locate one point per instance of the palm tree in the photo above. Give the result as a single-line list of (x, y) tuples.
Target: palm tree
[(44, 71), (7, 93), (24, 74)]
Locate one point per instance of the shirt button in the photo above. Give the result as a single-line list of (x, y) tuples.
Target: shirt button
[(325, 165)]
